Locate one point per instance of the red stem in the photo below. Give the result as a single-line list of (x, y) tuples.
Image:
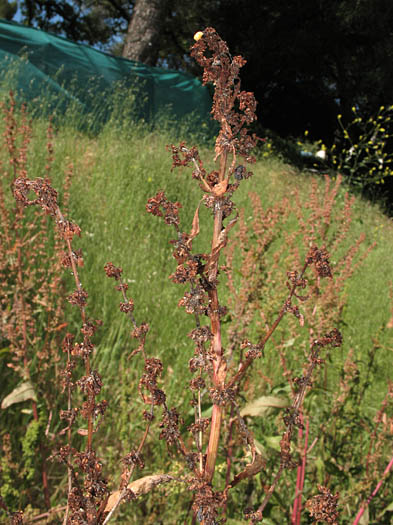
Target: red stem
[(229, 454), (363, 507), (298, 483), (245, 364), (302, 474)]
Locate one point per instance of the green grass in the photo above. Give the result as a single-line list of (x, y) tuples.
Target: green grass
[(115, 174)]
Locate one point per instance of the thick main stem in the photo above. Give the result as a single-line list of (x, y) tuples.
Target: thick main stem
[(219, 365)]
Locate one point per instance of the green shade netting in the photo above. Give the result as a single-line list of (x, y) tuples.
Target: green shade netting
[(40, 63)]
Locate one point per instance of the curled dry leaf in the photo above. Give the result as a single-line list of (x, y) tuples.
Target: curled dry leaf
[(220, 188), (221, 243), (21, 393), (263, 404), (251, 470), (139, 486), (195, 227)]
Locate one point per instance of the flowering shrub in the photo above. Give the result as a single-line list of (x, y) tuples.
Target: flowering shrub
[(362, 149)]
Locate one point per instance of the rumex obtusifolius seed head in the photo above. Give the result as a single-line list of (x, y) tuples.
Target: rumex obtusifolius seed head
[(162, 207), (46, 195), (127, 307), (134, 458), (170, 427), (185, 272), (78, 298), (320, 259), (112, 271), (323, 506), (230, 105), (201, 334), (90, 384), (197, 383)]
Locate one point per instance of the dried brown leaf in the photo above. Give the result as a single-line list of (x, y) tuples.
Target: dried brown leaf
[(195, 226), (220, 188), (222, 241), (260, 406), (139, 486), (21, 393)]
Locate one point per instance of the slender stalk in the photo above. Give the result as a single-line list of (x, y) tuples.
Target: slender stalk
[(45, 515), (334, 338), (200, 432), (365, 505), (244, 366), (229, 453), (87, 359), (298, 482), (69, 476), (124, 491), (302, 474)]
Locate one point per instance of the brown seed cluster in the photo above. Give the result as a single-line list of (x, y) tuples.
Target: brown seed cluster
[(207, 502), (46, 195), (323, 507), (148, 381), (232, 108), (113, 271), (170, 427), (162, 207), (320, 259)]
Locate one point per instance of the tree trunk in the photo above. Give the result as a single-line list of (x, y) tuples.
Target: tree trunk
[(143, 34)]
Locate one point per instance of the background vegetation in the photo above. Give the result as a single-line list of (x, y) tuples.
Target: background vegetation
[(307, 61)]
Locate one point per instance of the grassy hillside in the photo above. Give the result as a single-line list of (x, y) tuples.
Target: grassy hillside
[(114, 174)]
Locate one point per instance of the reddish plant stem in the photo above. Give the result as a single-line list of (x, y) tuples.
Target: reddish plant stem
[(296, 405), (45, 478), (87, 359), (269, 493), (244, 366), (298, 483), (229, 454), (297, 508), (124, 491), (219, 365), (364, 506), (200, 436), (219, 372), (69, 476)]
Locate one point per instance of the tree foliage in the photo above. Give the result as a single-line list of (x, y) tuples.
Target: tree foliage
[(8, 9), (93, 22), (309, 60)]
